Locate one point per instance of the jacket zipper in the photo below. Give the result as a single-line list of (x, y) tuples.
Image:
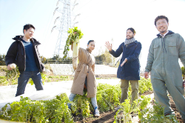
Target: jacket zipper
[(23, 53), (164, 51), (163, 45), (37, 56)]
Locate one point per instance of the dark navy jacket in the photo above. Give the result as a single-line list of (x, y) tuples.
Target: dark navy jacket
[(131, 69)]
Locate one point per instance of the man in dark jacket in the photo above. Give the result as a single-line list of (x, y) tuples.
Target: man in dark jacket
[(24, 53), (129, 68)]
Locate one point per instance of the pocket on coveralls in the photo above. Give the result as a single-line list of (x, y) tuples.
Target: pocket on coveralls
[(156, 50), (172, 48)]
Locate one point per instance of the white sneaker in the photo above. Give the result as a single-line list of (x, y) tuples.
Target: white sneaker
[(96, 113)]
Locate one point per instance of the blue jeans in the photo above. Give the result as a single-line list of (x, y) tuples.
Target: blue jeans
[(93, 100), (23, 80)]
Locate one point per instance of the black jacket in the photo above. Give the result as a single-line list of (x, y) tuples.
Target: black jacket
[(16, 54)]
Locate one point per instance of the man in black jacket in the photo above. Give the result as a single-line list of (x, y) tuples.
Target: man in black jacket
[(24, 53)]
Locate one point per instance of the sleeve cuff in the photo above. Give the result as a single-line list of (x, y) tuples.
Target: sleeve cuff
[(147, 70)]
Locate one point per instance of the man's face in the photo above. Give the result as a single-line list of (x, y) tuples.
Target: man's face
[(129, 34), (162, 26), (29, 33)]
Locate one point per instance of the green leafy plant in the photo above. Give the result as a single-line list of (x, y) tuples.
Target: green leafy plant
[(145, 85), (26, 110), (57, 110), (108, 96), (74, 36), (81, 105), (12, 75), (129, 109), (3, 80), (183, 72), (155, 115)]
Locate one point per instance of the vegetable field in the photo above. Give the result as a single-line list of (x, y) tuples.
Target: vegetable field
[(108, 96), (57, 111)]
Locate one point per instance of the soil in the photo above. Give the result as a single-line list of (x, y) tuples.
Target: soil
[(106, 117)]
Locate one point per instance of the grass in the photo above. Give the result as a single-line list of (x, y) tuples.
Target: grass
[(56, 78)]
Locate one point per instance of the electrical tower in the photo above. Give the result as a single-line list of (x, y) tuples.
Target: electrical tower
[(63, 21)]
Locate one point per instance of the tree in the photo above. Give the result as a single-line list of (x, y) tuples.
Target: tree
[(2, 59), (55, 57), (43, 59)]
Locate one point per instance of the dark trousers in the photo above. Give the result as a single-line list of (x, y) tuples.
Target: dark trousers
[(23, 80)]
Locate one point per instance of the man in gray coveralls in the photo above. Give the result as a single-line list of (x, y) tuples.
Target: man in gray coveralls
[(162, 62)]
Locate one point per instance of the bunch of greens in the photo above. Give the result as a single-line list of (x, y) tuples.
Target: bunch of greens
[(12, 75), (74, 36)]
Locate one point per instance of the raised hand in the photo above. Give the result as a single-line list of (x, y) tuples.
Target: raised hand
[(108, 45)]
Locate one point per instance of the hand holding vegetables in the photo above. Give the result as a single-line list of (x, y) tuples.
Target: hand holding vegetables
[(11, 66)]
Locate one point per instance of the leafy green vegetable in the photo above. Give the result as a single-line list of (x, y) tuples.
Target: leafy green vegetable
[(12, 75), (26, 110), (74, 36)]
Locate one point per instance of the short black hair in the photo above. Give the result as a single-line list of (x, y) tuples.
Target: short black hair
[(131, 29), (28, 26), (160, 17), (90, 42)]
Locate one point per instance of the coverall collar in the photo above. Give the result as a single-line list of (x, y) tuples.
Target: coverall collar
[(169, 33)]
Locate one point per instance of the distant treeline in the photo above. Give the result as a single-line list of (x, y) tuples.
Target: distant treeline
[(2, 59)]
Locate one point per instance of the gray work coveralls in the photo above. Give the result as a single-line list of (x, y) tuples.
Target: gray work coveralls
[(166, 74)]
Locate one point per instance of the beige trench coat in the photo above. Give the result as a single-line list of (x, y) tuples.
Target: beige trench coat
[(85, 68)]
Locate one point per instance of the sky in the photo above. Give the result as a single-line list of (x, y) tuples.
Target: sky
[(100, 20)]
